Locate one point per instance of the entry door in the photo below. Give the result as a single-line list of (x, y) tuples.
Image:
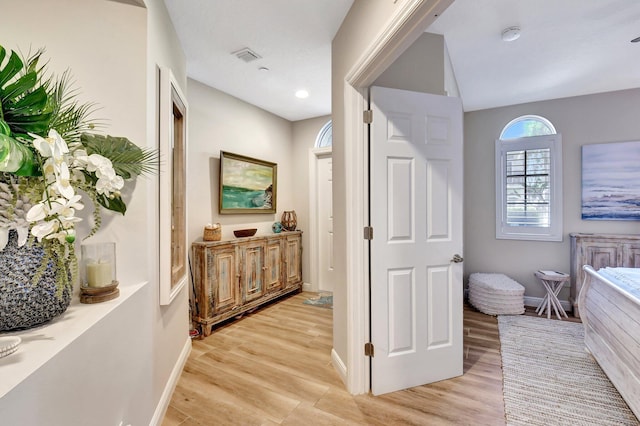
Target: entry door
[(416, 215), (325, 222)]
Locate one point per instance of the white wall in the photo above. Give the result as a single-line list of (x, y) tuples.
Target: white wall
[(420, 68), (119, 369), (305, 133), (169, 325), (360, 27), (218, 121), (601, 118), (450, 82)]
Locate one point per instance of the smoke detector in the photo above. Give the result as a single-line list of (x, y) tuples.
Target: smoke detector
[(511, 34), (246, 54)]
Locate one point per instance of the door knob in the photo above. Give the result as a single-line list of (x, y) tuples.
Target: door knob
[(457, 258)]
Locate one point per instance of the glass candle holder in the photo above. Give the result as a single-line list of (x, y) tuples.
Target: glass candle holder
[(98, 264)]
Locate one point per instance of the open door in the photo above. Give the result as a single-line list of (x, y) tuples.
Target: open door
[(416, 216)]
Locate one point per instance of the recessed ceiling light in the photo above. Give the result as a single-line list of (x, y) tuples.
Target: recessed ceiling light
[(511, 34), (302, 94), (263, 69)]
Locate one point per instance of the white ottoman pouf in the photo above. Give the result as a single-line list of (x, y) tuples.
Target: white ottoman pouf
[(496, 294)]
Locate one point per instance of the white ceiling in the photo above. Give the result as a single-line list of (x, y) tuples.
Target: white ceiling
[(292, 36), (566, 48)]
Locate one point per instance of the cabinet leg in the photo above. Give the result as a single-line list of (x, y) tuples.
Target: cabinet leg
[(206, 330)]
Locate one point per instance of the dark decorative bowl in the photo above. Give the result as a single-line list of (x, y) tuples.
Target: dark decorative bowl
[(239, 233)]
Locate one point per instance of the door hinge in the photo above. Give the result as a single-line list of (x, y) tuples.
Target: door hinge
[(368, 233), (367, 116), (368, 349)]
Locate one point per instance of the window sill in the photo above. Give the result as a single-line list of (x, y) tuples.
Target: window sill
[(41, 344)]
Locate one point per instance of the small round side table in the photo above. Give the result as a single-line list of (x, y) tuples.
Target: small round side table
[(552, 282)]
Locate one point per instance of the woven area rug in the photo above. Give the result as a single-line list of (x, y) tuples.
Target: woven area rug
[(324, 300), (550, 378)]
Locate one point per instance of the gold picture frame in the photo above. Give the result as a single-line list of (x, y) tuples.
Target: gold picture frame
[(247, 185)]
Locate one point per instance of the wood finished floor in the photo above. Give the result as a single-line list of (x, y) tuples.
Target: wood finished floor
[(273, 367)]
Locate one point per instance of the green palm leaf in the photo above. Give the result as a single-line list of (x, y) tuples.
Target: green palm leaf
[(23, 99), (11, 69), (69, 118), (127, 158), (31, 102)]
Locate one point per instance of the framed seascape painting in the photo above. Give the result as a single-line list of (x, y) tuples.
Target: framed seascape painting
[(611, 181), (247, 185)]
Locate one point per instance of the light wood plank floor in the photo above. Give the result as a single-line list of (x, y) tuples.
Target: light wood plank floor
[(273, 367)]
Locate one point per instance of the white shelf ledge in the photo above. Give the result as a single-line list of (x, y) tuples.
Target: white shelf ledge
[(41, 344)]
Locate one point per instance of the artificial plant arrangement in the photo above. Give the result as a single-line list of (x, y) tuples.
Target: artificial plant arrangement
[(50, 155)]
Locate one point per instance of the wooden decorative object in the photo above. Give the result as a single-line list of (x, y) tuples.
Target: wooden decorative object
[(236, 276), (172, 142), (552, 282), (242, 233), (212, 232), (99, 294), (599, 251), (289, 220)]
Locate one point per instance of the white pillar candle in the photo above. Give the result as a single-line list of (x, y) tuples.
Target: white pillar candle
[(99, 274)]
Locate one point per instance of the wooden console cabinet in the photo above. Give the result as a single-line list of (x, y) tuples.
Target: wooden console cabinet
[(235, 276), (600, 251)]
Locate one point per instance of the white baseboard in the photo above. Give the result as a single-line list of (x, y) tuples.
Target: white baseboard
[(165, 399), (535, 301), (340, 367), (307, 287)]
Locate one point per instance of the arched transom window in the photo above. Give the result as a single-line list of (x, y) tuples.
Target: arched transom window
[(325, 136)]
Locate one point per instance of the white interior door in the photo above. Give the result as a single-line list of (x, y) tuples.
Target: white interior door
[(416, 215), (325, 223)]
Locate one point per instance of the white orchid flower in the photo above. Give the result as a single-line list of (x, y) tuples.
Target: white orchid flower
[(50, 169), (92, 162), (71, 204), (66, 209), (100, 162), (107, 185), (42, 229), (36, 213), (23, 234), (61, 206), (51, 147), (108, 181), (63, 183), (55, 218), (81, 158)]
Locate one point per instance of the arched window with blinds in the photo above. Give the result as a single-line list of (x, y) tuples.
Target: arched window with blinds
[(529, 180)]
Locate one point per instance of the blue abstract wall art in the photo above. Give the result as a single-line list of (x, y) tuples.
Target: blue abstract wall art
[(611, 181)]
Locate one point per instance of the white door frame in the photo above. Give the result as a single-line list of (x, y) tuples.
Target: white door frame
[(314, 240), (412, 18)]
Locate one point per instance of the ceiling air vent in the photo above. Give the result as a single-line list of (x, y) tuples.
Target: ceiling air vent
[(247, 54)]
